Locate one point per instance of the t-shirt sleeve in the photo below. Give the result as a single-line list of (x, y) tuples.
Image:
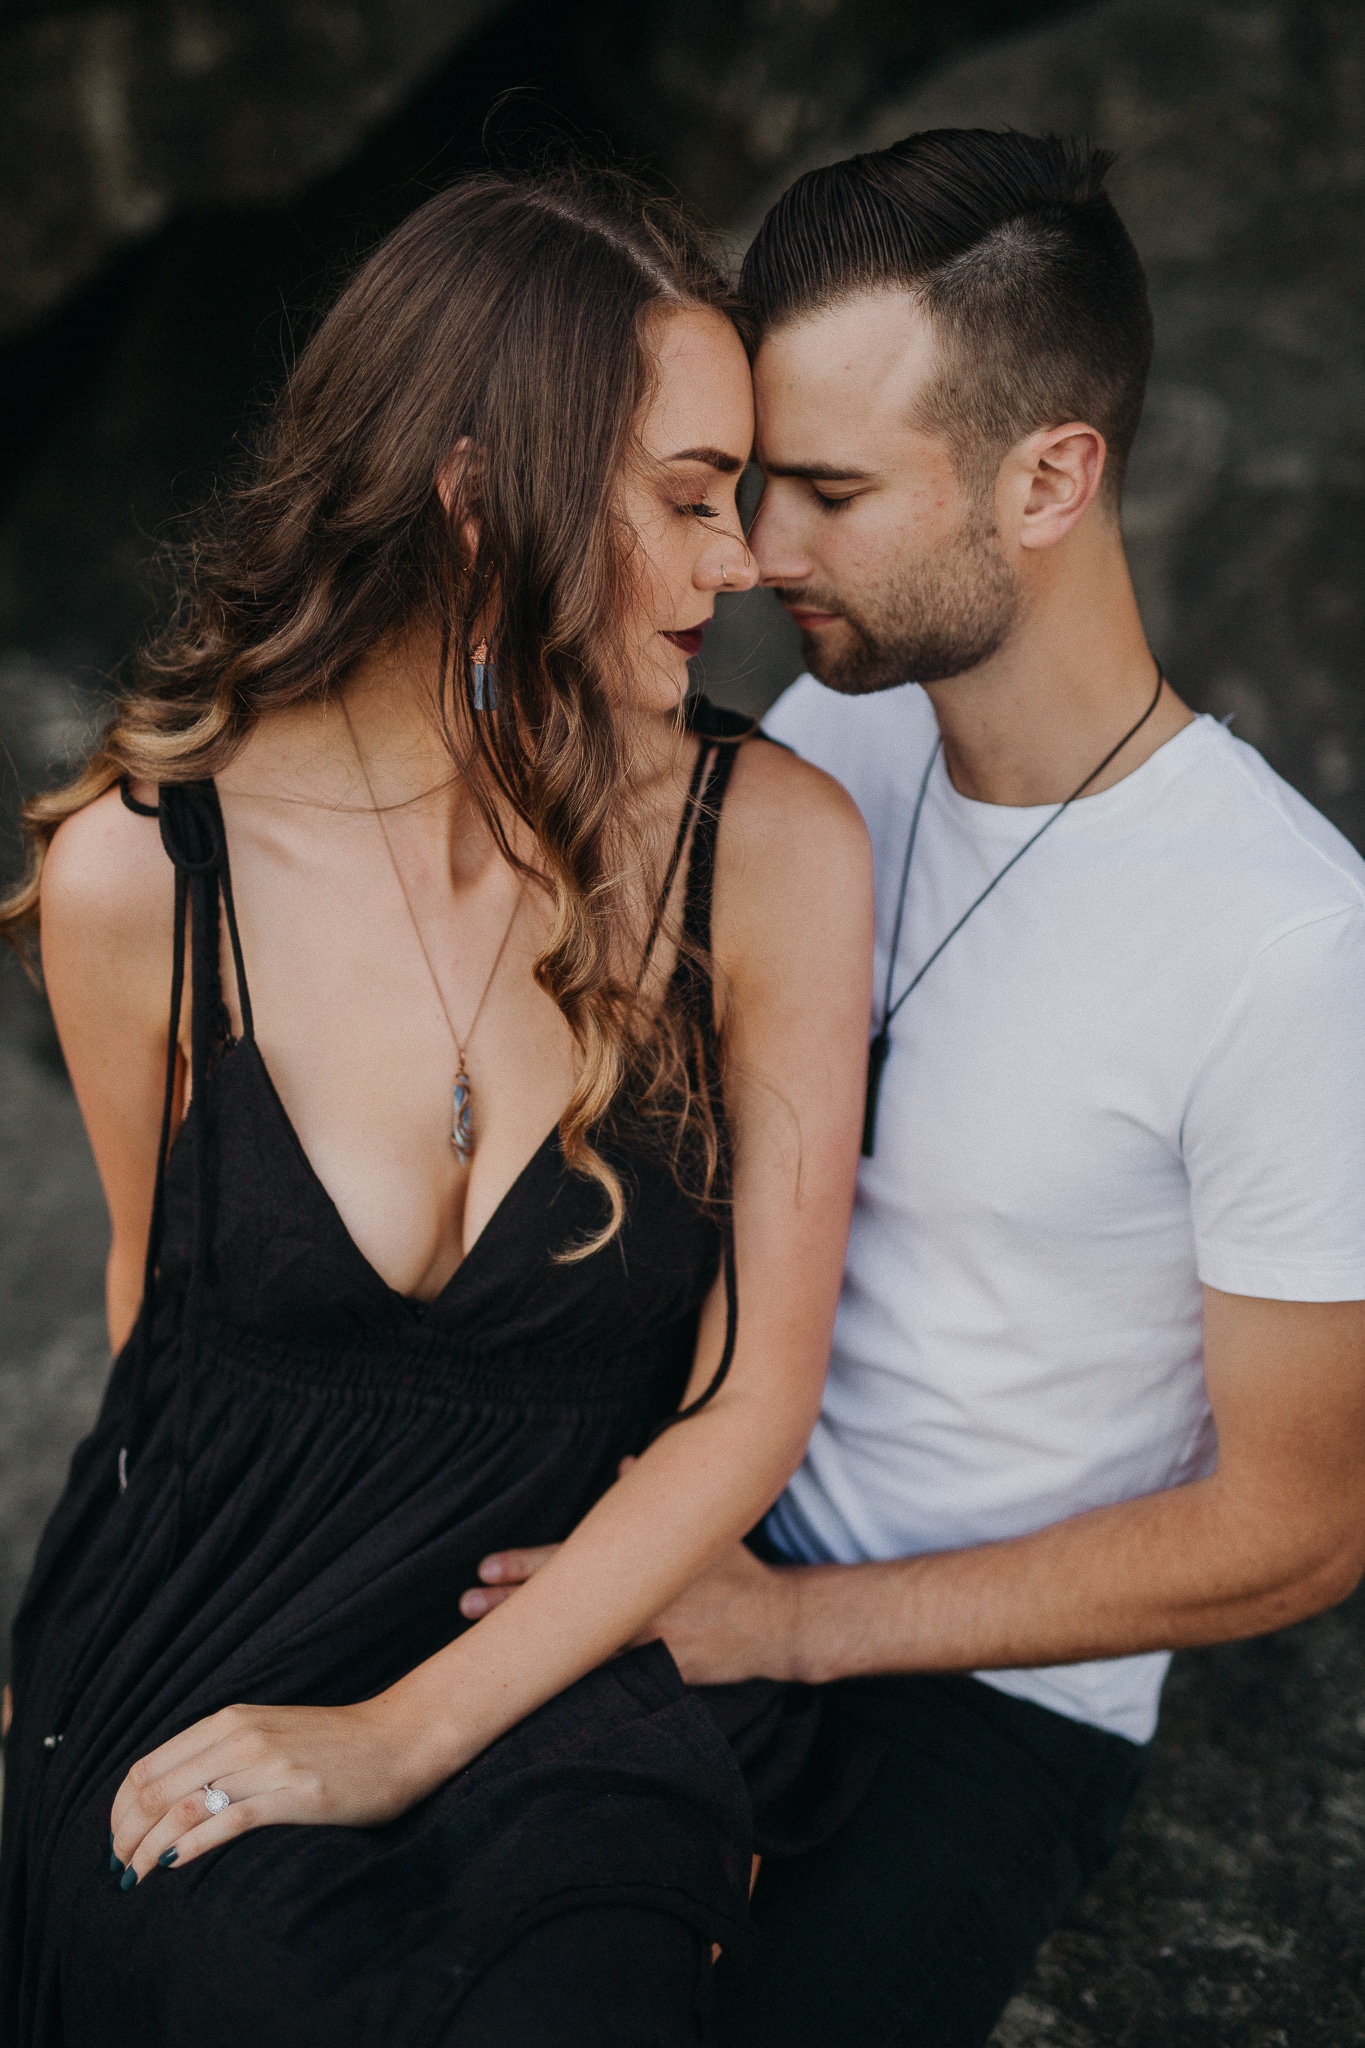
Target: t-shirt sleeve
[(791, 719), (1274, 1131)]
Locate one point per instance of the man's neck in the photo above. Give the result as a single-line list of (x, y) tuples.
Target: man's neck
[(1028, 725)]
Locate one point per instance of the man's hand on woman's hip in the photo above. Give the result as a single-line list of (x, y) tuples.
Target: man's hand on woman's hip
[(735, 1621)]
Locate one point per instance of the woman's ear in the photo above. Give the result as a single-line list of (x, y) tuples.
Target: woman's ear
[(456, 486), (454, 474)]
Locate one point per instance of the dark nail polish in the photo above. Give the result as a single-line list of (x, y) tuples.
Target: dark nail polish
[(129, 1880), (166, 1858), (114, 1864)]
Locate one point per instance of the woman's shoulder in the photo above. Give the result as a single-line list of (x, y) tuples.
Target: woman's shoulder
[(106, 870), (794, 809), (793, 861)]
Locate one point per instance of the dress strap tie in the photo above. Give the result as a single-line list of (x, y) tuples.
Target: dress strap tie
[(722, 732), (192, 834)]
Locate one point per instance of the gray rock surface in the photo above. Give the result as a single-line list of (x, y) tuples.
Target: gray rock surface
[(723, 95), (54, 1353), (1231, 1916), (113, 116)]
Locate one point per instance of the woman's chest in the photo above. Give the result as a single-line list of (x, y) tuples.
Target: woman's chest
[(366, 1026)]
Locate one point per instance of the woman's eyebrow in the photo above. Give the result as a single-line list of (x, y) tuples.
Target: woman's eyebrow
[(714, 458)]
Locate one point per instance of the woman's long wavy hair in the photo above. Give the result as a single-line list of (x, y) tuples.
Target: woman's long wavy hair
[(508, 317)]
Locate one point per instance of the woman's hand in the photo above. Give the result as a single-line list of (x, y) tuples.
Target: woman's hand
[(331, 1766)]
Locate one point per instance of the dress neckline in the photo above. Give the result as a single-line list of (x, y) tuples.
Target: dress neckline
[(711, 728), (412, 1303)]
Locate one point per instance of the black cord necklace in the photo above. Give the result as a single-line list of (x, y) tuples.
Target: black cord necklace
[(881, 1040)]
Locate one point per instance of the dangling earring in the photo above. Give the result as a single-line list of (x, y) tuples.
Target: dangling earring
[(485, 679)]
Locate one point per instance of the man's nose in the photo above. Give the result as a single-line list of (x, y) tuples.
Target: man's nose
[(779, 558)]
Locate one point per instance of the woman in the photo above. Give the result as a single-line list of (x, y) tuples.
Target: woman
[(412, 768)]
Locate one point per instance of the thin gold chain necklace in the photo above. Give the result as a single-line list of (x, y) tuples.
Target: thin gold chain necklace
[(462, 1089)]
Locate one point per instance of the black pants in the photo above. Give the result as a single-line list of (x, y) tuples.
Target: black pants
[(606, 1977), (915, 1922)]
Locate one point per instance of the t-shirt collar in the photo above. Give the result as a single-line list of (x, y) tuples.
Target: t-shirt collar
[(1008, 824)]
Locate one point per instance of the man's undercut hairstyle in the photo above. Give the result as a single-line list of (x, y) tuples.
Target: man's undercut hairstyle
[(1013, 248)]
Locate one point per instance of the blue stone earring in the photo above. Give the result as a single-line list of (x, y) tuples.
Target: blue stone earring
[(485, 679)]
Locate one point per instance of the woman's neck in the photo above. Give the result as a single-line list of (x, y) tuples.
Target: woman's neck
[(378, 741), (375, 741)]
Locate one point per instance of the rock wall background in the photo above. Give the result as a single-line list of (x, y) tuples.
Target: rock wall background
[(113, 117), (179, 186)]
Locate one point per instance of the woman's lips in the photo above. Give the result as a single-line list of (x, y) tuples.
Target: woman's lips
[(689, 640)]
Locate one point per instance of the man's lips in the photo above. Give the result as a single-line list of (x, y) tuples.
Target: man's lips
[(689, 639), (808, 620)]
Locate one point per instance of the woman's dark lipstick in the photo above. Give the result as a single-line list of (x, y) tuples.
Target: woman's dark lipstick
[(689, 640)]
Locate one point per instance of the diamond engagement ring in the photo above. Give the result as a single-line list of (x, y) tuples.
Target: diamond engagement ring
[(215, 1799)]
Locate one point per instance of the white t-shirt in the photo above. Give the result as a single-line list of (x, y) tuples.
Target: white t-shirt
[(1140, 1065)]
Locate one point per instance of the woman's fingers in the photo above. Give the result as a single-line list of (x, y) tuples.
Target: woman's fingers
[(189, 1829), (139, 1789), (170, 1807), (256, 1772), (175, 1825), (226, 1742)]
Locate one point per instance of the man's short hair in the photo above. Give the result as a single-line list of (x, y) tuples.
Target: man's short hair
[(1013, 248)]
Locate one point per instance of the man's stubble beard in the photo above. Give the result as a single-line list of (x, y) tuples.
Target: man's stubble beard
[(948, 614)]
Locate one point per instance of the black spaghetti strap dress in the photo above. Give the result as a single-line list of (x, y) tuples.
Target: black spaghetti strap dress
[(292, 1479)]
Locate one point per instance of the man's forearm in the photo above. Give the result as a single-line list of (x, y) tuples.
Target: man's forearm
[(1168, 1571)]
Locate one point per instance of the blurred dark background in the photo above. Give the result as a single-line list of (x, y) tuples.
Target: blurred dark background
[(181, 186)]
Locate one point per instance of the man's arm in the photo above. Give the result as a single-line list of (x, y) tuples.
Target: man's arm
[(1276, 1533)]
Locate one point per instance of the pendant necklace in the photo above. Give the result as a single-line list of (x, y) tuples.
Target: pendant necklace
[(462, 1090), (881, 1039)]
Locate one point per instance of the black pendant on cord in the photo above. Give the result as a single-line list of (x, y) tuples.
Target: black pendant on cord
[(876, 1061), (880, 1048)]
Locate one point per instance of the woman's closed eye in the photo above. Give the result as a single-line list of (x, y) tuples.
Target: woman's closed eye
[(701, 508)]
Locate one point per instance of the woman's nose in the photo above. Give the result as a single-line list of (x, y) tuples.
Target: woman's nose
[(728, 566)]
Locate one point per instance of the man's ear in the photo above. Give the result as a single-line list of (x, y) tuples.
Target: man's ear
[(1055, 476)]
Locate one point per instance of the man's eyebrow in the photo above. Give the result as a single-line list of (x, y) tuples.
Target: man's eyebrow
[(714, 458), (818, 472)]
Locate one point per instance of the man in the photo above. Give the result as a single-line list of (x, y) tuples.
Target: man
[(1098, 1380)]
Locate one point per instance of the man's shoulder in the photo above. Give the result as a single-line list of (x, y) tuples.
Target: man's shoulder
[(870, 743), (1285, 853)]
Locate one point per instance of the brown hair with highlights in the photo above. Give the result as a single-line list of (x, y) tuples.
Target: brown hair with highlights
[(510, 314)]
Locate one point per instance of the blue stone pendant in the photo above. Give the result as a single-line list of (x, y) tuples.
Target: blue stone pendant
[(462, 1121)]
